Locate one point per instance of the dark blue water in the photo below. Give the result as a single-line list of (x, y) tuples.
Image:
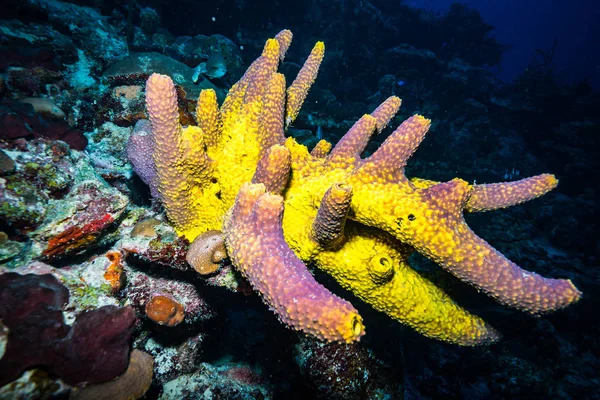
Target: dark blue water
[(511, 89)]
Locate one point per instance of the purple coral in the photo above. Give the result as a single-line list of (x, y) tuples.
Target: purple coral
[(95, 349)]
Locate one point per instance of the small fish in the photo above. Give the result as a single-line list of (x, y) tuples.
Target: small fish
[(319, 132), (213, 68), (401, 83), (199, 70)]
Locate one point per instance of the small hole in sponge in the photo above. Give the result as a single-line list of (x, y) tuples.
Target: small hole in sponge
[(357, 326), (411, 217)]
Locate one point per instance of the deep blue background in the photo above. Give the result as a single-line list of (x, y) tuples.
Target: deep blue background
[(528, 25)]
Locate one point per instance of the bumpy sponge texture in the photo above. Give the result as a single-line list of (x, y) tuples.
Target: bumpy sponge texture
[(255, 242)]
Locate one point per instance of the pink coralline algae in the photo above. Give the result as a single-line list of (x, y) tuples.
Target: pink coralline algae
[(79, 221), (95, 349), (143, 288), (163, 250), (75, 237), (243, 374)]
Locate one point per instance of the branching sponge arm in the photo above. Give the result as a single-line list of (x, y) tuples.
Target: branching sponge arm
[(255, 243), (169, 150), (493, 196)]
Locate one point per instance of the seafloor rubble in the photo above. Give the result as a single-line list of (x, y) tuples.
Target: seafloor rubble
[(93, 274)]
